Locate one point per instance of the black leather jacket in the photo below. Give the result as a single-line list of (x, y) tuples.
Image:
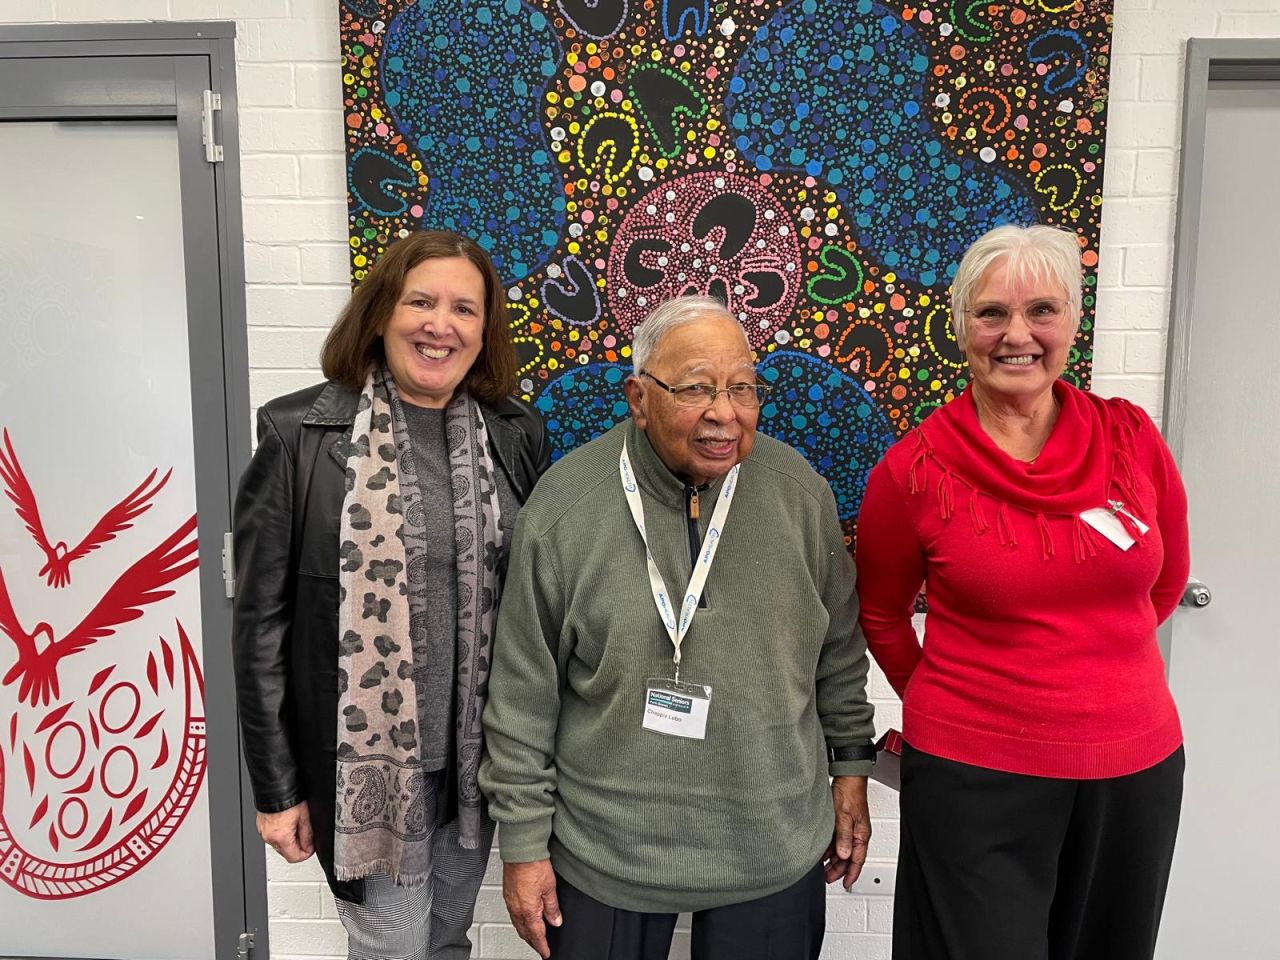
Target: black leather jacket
[(285, 624)]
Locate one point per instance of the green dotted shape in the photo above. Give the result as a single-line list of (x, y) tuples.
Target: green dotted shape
[(923, 410), (841, 281), (651, 86), (968, 23)]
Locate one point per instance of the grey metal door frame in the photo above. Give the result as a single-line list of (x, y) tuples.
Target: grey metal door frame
[(160, 71)]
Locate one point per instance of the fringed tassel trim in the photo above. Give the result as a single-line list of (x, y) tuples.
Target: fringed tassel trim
[(1086, 544), (1004, 529), (946, 495), (1046, 537), (380, 865), (917, 474), (1124, 474), (1083, 538), (1123, 484), (977, 516)]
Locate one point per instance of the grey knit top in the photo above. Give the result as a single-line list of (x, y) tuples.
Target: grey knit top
[(435, 680)]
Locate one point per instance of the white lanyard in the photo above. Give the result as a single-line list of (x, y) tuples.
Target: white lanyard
[(677, 630)]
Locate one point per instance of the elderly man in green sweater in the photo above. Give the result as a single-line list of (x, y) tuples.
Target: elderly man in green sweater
[(677, 714)]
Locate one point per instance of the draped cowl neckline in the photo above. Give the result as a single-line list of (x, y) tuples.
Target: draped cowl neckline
[(1084, 464)]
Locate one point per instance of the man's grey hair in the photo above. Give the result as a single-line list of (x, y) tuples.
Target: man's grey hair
[(1035, 251), (666, 317)]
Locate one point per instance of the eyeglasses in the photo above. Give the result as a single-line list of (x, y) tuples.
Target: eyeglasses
[(1040, 314), (747, 395)]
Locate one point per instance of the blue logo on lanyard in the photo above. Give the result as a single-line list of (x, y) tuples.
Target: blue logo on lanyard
[(713, 534), (690, 605), (667, 617)]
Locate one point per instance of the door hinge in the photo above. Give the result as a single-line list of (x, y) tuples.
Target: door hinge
[(228, 565), (244, 946), (212, 103)]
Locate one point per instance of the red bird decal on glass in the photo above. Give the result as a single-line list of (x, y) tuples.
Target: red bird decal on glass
[(138, 586), (58, 559)]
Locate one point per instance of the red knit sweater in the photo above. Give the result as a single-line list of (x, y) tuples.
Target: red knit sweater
[(1040, 652)]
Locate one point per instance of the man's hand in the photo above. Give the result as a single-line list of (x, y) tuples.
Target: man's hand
[(288, 832), (530, 892), (848, 849)]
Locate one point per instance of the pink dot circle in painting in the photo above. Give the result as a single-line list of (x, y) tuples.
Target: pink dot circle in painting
[(714, 234)]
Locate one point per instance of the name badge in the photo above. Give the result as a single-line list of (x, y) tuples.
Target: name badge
[(676, 708), (1107, 524)]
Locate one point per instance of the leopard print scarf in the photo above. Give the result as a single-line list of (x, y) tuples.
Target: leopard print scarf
[(380, 819)]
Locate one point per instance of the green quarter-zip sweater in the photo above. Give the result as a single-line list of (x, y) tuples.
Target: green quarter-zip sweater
[(642, 820)]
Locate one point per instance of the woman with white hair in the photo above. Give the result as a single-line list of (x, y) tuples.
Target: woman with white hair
[(1043, 778)]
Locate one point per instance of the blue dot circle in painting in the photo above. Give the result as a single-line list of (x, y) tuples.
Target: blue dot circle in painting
[(476, 120), (915, 206), (829, 418), (583, 404)]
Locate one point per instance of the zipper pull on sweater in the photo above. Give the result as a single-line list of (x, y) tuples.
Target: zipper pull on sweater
[(695, 535)]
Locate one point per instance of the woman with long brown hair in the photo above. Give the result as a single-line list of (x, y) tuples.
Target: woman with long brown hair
[(371, 532)]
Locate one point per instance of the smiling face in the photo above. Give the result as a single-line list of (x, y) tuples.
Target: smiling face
[(1021, 361), (698, 444), (436, 330)]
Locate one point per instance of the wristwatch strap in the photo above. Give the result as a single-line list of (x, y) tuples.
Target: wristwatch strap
[(862, 751)]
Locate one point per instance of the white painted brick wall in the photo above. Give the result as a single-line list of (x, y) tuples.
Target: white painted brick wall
[(295, 255)]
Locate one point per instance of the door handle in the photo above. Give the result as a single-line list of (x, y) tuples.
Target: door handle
[(1196, 594)]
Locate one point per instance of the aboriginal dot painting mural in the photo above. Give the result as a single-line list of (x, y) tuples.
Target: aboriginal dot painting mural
[(819, 165)]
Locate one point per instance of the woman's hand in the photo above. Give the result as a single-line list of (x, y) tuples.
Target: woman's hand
[(288, 832)]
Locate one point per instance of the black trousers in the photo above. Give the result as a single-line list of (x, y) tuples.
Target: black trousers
[(787, 925), (1000, 866)]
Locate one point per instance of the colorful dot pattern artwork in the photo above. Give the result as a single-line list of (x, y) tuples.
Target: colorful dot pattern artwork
[(852, 115), (582, 404), (461, 83), (829, 418), (819, 165)]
